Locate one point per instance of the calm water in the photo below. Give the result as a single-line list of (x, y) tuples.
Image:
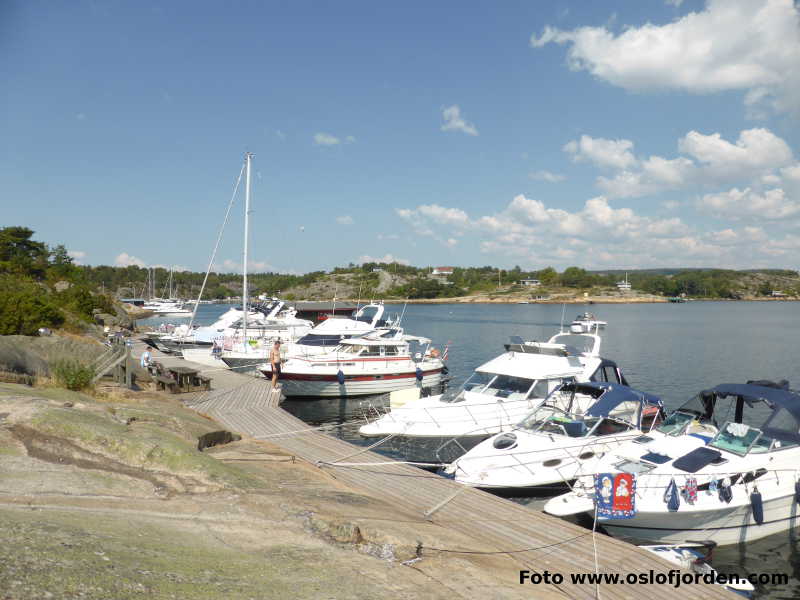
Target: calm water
[(671, 350)]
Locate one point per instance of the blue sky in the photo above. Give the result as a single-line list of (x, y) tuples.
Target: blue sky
[(618, 134)]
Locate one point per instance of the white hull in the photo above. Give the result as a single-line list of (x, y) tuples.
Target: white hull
[(306, 388), (729, 526), (203, 356)]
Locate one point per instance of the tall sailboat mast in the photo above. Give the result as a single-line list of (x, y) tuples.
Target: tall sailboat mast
[(245, 291)]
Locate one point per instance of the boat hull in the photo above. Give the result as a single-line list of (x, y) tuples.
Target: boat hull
[(302, 386), (726, 526)]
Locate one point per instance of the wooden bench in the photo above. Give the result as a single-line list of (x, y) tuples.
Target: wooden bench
[(166, 383)]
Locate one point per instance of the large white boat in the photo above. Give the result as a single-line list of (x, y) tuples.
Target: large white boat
[(376, 363), (586, 323), (560, 440), (167, 308), (707, 472), (501, 392), (323, 338), (280, 323)]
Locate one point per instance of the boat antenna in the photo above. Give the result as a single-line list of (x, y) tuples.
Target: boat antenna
[(216, 247), (563, 310), (358, 301), (245, 292), (400, 321)]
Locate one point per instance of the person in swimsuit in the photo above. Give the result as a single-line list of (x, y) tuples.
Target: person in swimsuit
[(275, 361)]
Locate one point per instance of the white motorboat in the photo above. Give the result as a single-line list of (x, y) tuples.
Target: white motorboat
[(372, 364), (279, 324), (321, 339), (564, 437), (586, 323), (501, 392), (707, 472), (695, 557), (167, 308)]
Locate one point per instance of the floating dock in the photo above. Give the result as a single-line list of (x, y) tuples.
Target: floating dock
[(533, 540)]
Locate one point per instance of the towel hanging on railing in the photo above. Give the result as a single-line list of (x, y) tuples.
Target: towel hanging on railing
[(671, 496), (725, 491)]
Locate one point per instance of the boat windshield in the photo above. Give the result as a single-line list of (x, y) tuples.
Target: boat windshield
[(553, 420), (499, 386), (738, 438), (676, 423)]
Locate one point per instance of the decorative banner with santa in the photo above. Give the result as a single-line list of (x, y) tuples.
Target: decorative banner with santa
[(615, 495)]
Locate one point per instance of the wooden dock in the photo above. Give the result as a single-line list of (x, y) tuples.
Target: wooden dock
[(534, 540)]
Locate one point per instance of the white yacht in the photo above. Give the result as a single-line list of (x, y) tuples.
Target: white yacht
[(695, 557), (376, 363), (555, 443), (276, 323), (723, 467), (322, 338), (167, 308), (501, 392), (586, 323)]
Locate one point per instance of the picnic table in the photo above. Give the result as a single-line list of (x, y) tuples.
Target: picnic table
[(178, 379)]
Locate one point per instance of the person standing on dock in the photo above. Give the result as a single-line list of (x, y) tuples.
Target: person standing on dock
[(275, 360), (144, 360)]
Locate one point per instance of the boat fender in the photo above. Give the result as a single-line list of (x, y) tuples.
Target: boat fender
[(340, 376), (419, 374), (797, 491), (757, 506)]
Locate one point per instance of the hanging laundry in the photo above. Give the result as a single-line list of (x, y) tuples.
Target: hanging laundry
[(691, 490), (671, 496), (725, 491), (712, 487), (615, 495), (757, 505)]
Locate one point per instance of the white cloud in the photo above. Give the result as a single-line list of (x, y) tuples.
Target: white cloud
[(386, 258), (126, 260), (747, 203), (615, 154), (325, 139), (546, 176), (77, 256), (253, 266), (454, 122), (675, 3), (741, 45), (710, 160), (451, 242), (345, 220)]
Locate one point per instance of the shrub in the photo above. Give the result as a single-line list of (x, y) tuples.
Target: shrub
[(72, 374), (25, 307)]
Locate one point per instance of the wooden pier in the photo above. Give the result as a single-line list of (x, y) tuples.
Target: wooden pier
[(532, 539)]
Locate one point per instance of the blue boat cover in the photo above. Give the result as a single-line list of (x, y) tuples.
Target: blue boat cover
[(777, 397), (612, 395)]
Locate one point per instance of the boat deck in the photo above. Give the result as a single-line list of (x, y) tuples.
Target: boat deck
[(534, 540)]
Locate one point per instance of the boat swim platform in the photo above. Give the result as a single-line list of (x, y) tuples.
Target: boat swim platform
[(532, 539)]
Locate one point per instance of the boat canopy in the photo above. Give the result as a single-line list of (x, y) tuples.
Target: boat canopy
[(783, 421), (610, 396)]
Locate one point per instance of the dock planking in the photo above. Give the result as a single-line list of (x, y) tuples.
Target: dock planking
[(532, 539)]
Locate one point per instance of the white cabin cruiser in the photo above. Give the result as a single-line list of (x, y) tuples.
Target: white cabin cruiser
[(501, 392), (586, 323), (167, 308), (279, 324), (706, 472), (320, 339), (560, 440), (380, 362)]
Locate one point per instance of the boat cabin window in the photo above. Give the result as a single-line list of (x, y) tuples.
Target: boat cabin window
[(350, 348), (506, 386), (392, 350), (626, 411), (611, 427), (632, 466), (736, 437), (371, 351)]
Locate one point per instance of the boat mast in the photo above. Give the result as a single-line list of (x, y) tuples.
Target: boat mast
[(248, 159)]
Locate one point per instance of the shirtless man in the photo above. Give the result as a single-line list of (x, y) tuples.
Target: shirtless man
[(275, 360)]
